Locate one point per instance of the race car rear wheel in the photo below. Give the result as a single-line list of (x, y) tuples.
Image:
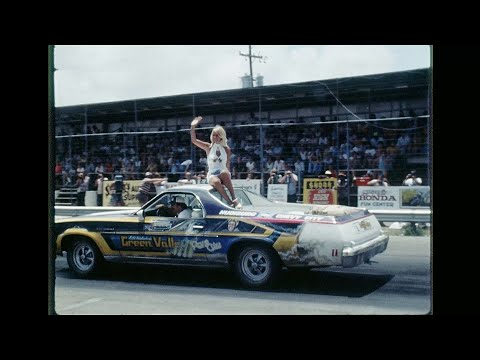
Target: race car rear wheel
[(83, 257), (257, 266)]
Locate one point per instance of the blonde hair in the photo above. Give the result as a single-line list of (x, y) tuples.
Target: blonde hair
[(220, 131)]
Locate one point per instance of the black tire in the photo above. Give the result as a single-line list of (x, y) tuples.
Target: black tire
[(84, 258), (257, 266)]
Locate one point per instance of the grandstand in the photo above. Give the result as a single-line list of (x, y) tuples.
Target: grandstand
[(385, 117)]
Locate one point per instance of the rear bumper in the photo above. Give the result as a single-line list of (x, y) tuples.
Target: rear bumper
[(356, 255)]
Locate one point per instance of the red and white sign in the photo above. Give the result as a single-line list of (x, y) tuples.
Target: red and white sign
[(321, 197)]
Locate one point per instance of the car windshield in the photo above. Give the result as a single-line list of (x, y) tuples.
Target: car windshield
[(190, 200), (246, 197), (257, 199)]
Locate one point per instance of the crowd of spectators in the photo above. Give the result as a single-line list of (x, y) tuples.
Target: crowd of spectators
[(308, 150)]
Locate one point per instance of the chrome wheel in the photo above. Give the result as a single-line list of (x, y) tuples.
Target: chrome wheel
[(84, 257), (255, 265)]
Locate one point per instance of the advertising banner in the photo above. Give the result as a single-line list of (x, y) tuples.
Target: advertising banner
[(393, 197), (254, 185), (415, 197), (277, 192), (320, 191), (378, 197), (118, 194), (322, 197)]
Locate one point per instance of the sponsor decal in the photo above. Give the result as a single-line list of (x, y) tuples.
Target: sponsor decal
[(139, 237), (182, 248), (311, 218), (205, 244), (161, 225), (363, 225), (288, 216), (186, 249), (237, 213), (232, 225), (316, 218), (157, 242)]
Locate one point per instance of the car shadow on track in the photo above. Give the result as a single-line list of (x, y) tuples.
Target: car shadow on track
[(318, 282)]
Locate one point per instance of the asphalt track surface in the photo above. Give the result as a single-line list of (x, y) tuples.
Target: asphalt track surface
[(397, 281)]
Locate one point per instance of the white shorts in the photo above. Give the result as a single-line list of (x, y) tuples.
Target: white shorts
[(215, 173)]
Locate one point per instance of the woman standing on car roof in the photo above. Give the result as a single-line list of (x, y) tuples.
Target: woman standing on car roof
[(218, 159)]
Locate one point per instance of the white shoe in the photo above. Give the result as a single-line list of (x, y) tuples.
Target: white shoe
[(236, 204)]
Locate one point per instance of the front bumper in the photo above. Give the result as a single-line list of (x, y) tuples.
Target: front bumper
[(356, 255)]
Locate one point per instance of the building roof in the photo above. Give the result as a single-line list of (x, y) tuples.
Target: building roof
[(380, 87)]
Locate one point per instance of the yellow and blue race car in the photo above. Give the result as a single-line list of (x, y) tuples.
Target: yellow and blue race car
[(256, 242)]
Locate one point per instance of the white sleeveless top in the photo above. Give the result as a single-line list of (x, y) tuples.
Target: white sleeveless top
[(217, 160)]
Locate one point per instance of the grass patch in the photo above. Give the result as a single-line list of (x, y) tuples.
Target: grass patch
[(412, 230), (407, 231)]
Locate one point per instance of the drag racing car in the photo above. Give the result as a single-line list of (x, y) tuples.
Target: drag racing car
[(256, 242)]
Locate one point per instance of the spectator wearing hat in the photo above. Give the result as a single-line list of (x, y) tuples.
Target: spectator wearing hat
[(328, 174), (147, 189), (180, 208)]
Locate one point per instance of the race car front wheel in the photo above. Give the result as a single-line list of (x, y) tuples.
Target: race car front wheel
[(83, 257), (257, 266)]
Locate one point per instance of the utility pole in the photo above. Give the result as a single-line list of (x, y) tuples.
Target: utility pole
[(250, 56)]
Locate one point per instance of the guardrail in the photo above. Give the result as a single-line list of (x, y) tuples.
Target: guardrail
[(400, 215), (403, 215)]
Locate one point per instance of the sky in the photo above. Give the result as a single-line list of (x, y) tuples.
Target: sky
[(87, 74)]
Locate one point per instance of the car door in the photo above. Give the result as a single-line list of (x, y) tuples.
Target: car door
[(117, 233), (166, 239)]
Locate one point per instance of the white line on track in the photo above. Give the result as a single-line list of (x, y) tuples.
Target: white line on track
[(80, 304)]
